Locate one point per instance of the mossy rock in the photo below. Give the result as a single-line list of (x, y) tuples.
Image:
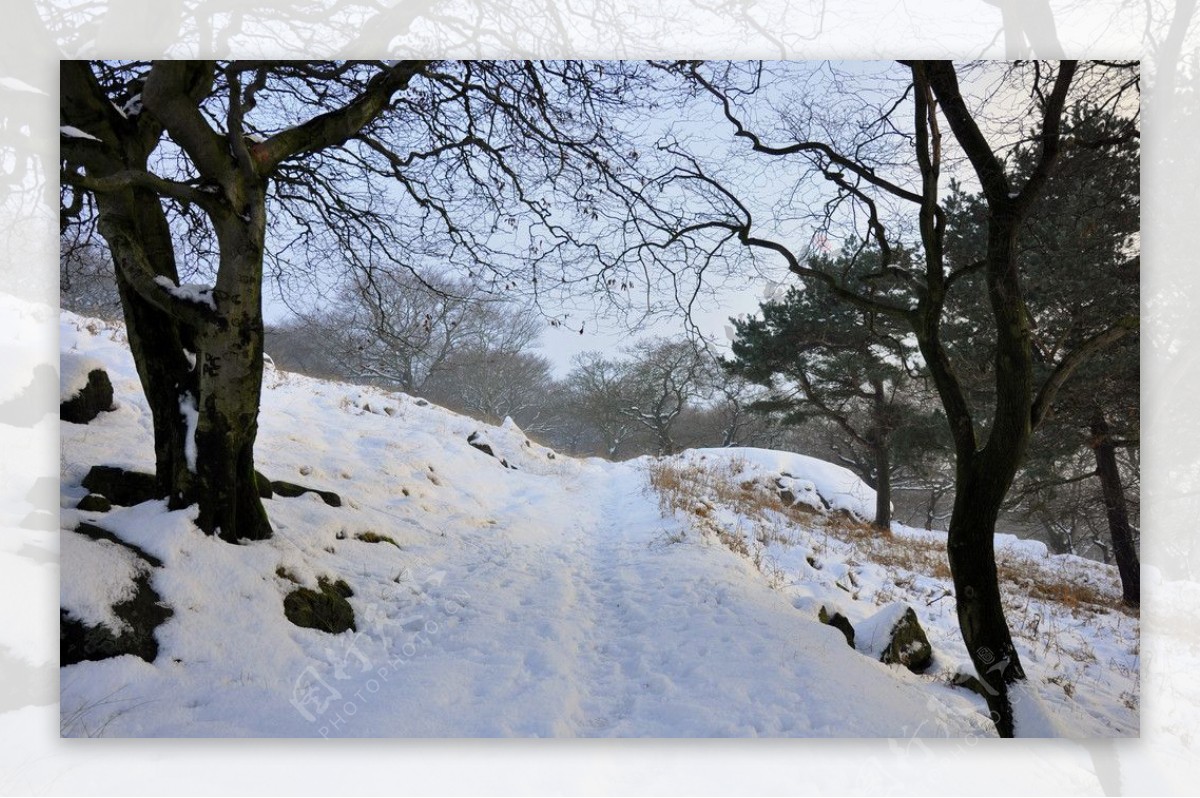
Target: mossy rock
[(122, 487), (291, 490), (839, 622), (325, 609), (909, 646), (94, 503), (93, 399)]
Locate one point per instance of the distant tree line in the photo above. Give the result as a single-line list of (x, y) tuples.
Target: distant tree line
[(807, 374)]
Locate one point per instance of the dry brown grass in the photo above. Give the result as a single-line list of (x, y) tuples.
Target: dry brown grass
[(696, 491), (1040, 579)]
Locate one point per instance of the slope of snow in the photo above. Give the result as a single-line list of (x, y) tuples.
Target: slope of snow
[(546, 597)]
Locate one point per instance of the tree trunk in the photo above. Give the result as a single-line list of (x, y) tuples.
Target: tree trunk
[(202, 383), (227, 425), (877, 437), (883, 485), (972, 555), (1118, 515), (231, 369), (136, 231)]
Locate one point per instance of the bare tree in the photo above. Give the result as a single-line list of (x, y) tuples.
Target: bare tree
[(492, 383), (236, 170), (880, 154), (664, 377), (595, 397), (86, 283), (400, 329)]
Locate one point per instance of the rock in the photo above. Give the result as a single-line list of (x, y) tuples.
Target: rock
[(122, 487), (839, 622), (143, 613), (894, 636), (40, 519), (476, 440), (99, 533), (94, 503), (325, 609), (44, 493), (971, 683), (92, 400), (291, 490)]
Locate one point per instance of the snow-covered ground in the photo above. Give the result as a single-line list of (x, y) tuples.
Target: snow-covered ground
[(555, 597)]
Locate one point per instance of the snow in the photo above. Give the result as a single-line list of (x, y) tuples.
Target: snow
[(873, 635), (839, 487), (132, 107), (191, 418), (16, 84), (553, 598), (89, 594), (73, 132), (189, 292), (73, 374)]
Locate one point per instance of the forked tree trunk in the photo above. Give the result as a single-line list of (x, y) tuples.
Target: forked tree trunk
[(203, 386), (1118, 514), (985, 475), (205, 417)]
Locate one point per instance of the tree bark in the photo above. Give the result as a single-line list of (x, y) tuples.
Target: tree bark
[(231, 368), (1118, 514), (971, 551), (883, 485), (159, 345)]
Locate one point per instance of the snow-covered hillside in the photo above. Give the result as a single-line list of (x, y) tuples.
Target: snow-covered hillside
[(526, 593)]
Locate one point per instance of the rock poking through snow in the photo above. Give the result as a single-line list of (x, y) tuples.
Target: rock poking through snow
[(85, 390), (837, 621), (894, 636)]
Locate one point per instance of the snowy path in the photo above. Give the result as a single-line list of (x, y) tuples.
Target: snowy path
[(592, 625)]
